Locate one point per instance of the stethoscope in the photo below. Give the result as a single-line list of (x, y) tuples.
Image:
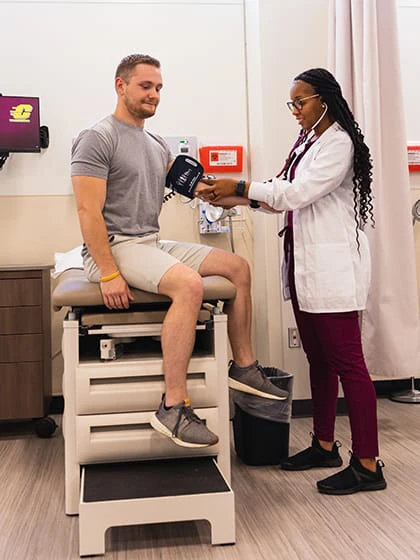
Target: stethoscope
[(303, 143), (306, 134)]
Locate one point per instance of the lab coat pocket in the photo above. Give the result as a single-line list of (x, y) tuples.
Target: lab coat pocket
[(330, 272)]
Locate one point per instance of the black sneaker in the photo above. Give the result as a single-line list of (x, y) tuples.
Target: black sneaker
[(355, 478), (254, 381), (313, 457), (182, 424)]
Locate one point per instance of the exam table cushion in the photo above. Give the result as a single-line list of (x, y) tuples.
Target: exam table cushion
[(73, 289)]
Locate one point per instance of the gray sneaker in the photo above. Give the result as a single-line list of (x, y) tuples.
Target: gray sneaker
[(254, 381), (182, 425)]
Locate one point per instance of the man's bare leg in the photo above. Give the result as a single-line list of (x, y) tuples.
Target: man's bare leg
[(184, 286), (239, 311), (244, 374), (175, 418)]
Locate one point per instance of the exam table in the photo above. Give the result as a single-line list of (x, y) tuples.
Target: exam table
[(118, 470)]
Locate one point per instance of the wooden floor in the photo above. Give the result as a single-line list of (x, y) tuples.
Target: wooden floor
[(279, 515)]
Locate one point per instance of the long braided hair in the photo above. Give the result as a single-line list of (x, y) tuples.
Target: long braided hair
[(327, 86)]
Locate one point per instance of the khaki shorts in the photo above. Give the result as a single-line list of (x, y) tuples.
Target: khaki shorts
[(144, 260)]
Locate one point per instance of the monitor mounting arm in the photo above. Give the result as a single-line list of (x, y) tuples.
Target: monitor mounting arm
[(3, 157)]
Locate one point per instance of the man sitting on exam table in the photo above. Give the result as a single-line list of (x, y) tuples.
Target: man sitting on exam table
[(118, 173)]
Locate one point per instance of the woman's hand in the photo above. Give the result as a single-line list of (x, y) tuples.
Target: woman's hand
[(212, 190)]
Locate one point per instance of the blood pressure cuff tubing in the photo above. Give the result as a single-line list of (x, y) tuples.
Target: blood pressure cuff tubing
[(184, 175)]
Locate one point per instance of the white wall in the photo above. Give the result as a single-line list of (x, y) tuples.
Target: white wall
[(408, 25), (66, 53)]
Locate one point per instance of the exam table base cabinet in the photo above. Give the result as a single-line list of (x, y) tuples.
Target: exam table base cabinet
[(108, 407), (25, 342)]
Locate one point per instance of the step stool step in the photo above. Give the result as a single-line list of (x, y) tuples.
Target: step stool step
[(148, 479)]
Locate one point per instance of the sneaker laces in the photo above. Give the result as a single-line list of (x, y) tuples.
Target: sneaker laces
[(190, 416), (260, 368)]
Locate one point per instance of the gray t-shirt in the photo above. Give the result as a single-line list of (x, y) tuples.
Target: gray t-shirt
[(134, 163)]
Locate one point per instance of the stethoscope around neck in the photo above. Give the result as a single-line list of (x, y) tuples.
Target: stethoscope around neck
[(306, 134), (304, 141)]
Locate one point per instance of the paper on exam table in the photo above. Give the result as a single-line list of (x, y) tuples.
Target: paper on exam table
[(65, 261)]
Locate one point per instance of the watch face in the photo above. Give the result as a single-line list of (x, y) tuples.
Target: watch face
[(240, 188), (416, 211)]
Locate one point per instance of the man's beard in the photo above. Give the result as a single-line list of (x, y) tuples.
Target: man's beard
[(140, 111)]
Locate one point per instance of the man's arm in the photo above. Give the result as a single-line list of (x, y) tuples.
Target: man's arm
[(90, 193)]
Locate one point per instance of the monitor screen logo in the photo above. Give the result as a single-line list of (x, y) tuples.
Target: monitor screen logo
[(21, 113)]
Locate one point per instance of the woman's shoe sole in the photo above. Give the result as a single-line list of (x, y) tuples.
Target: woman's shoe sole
[(367, 487)]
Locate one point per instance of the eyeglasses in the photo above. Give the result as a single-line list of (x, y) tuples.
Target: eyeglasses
[(297, 104)]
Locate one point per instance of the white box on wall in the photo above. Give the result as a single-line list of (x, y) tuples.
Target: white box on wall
[(186, 145)]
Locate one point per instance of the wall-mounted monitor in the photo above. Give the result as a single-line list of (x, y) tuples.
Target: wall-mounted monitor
[(19, 124)]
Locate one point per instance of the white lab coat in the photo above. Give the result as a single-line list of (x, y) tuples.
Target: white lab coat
[(331, 273)]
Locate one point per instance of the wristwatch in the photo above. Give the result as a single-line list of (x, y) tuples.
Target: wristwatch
[(240, 188), (254, 203)]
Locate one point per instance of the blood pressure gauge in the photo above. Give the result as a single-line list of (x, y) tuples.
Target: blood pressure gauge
[(416, 211)]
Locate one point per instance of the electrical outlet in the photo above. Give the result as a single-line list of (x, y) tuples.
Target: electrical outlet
[(294, 338)]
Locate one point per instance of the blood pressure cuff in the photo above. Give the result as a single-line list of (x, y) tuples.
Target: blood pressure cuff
[(184, 175)]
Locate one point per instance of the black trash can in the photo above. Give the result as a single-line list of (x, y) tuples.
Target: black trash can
[(261, 426)]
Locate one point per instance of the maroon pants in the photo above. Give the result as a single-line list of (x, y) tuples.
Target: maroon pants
[(333, 346)]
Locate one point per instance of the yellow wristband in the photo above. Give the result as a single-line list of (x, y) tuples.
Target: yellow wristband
[(110, 277)]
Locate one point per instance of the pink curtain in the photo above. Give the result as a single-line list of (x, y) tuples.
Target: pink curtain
[(364, 57)]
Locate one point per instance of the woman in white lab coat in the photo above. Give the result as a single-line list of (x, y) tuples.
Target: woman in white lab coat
[(324, 187)]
